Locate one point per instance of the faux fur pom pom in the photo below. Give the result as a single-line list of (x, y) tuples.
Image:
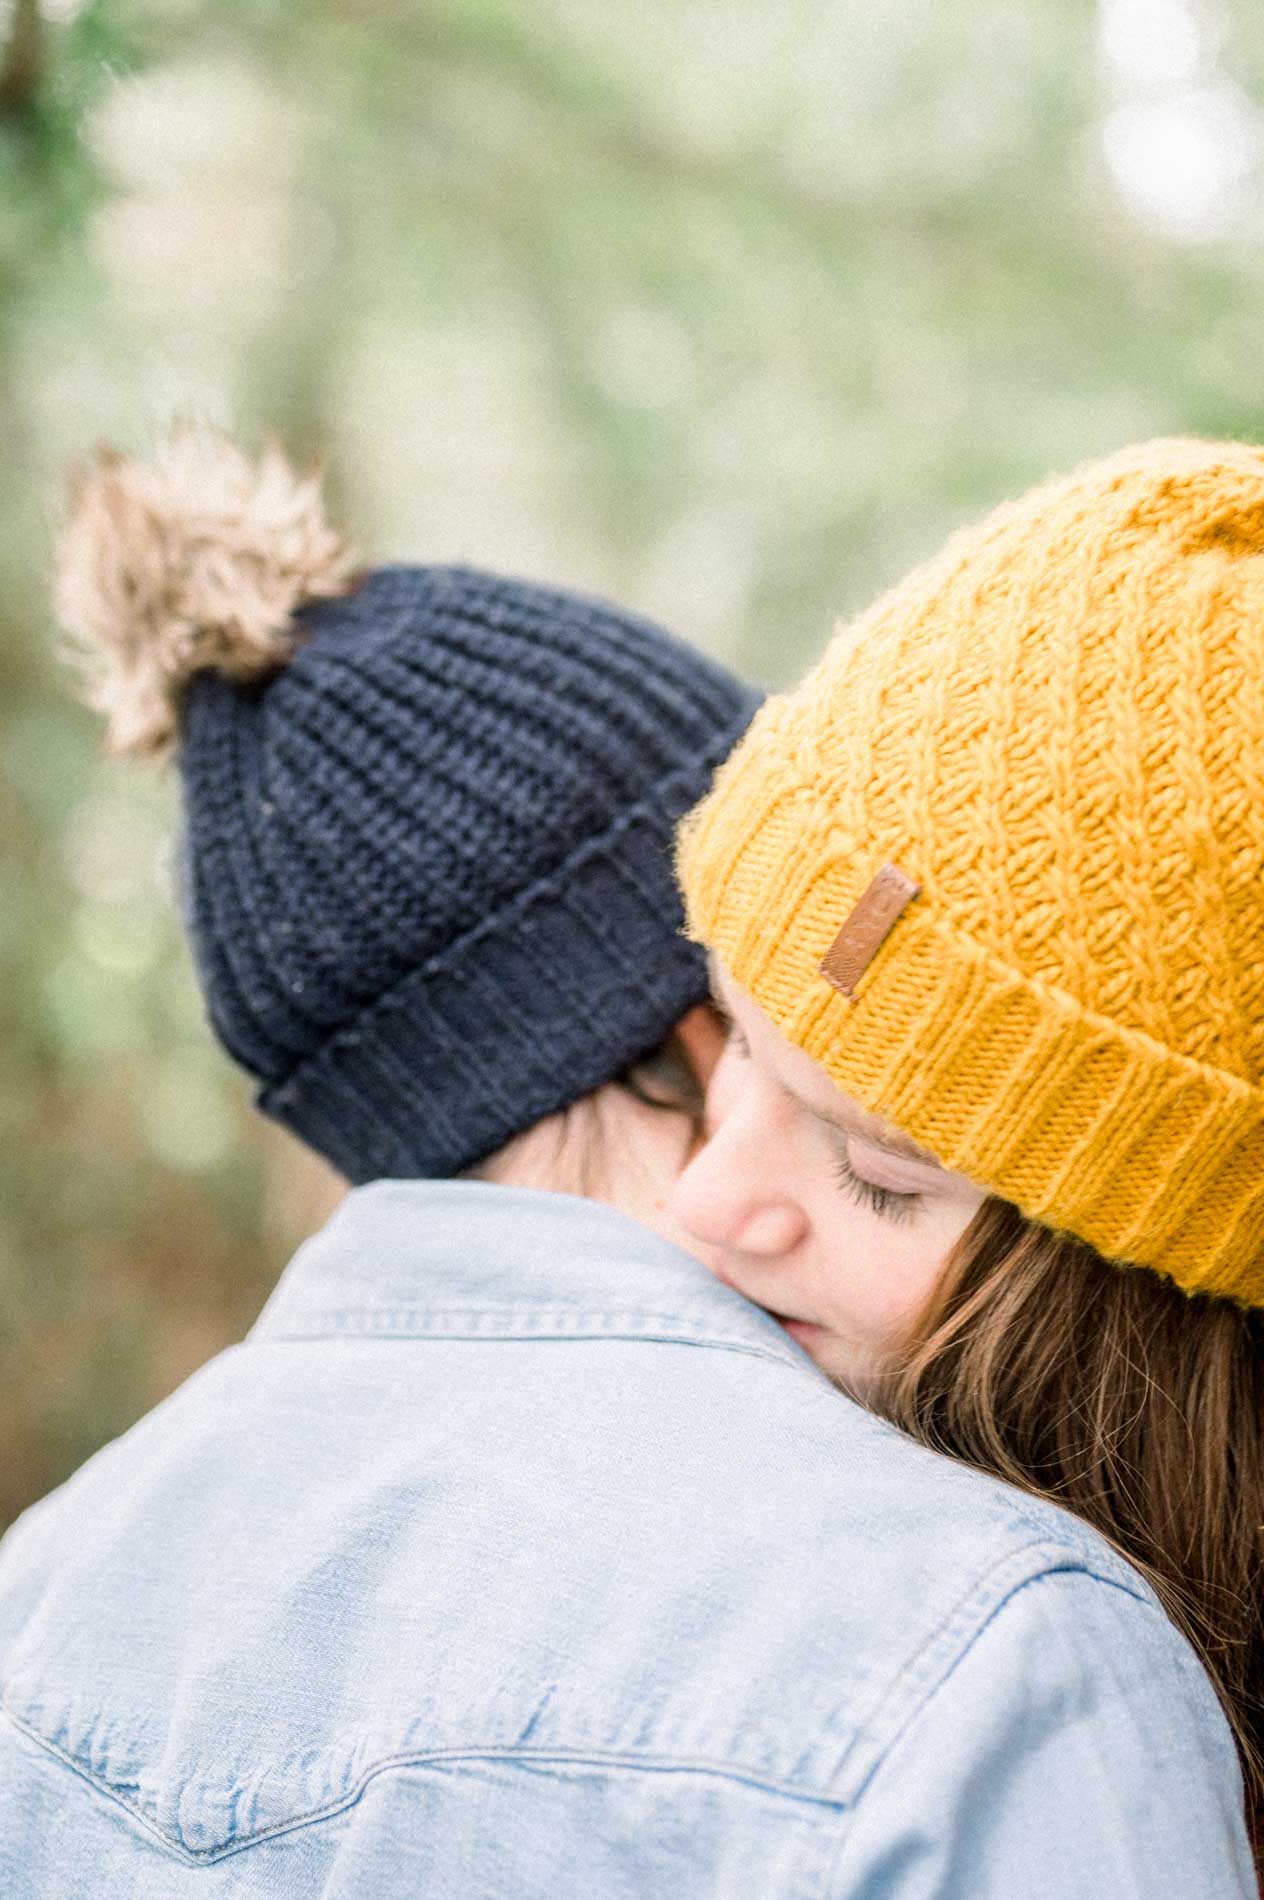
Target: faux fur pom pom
[(195, 560)]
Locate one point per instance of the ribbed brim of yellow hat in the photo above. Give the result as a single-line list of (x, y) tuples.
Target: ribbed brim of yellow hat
[(1084, 1124)]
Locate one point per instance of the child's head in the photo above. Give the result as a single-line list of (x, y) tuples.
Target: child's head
[(1054, 735), (427, 812)]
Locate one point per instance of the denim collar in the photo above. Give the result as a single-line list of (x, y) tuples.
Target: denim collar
[(464, 1259)]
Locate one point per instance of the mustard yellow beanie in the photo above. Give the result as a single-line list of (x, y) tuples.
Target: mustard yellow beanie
[(1053, 734)]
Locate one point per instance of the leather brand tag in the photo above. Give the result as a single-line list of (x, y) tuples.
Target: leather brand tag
[(867, 928)]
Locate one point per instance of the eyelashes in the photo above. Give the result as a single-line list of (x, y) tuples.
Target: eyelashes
[(885, 1201), (889, 1203)]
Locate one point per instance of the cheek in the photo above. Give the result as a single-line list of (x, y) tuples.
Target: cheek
[(879, 1274), (913, 1270)]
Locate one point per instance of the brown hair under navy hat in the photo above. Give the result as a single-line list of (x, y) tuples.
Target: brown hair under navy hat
[(428, 811)]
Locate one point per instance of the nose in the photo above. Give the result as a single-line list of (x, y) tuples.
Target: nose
[(727, 1197)]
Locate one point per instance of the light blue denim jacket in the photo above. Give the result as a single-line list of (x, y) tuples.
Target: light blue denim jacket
[(513, 1557)]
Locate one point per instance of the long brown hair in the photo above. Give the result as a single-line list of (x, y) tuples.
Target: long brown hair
[(1140, 1408)]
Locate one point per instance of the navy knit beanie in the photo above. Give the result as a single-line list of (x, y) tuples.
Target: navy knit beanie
[(428, 822)]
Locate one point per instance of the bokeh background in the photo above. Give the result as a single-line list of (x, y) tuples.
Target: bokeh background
[(726, 308)]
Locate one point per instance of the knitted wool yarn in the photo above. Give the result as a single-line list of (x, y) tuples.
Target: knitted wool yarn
[(1056, 730), (426, 854)]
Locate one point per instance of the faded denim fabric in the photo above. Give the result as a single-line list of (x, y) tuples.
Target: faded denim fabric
[(513, 1557)]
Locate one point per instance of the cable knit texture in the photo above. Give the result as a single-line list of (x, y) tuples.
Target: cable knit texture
[(1057, 729), (427, 866)]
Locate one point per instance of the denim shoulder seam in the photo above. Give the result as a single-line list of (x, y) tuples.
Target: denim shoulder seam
[(1071, 1567), (901, 1699)]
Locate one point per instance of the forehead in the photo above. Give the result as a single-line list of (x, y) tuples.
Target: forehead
[(801, 1076)]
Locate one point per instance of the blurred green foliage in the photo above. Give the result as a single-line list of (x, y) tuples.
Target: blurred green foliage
[(728, 310)]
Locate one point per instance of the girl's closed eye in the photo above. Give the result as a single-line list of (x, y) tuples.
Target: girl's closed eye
[(889, 1202)]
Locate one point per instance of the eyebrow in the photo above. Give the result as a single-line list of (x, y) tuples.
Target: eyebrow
[(856, 1122), (863, 1127)]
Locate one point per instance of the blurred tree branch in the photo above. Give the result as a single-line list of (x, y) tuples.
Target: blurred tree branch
[(21, 56)]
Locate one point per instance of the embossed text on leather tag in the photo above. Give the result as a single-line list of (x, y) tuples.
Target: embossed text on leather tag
[(867, 928)]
